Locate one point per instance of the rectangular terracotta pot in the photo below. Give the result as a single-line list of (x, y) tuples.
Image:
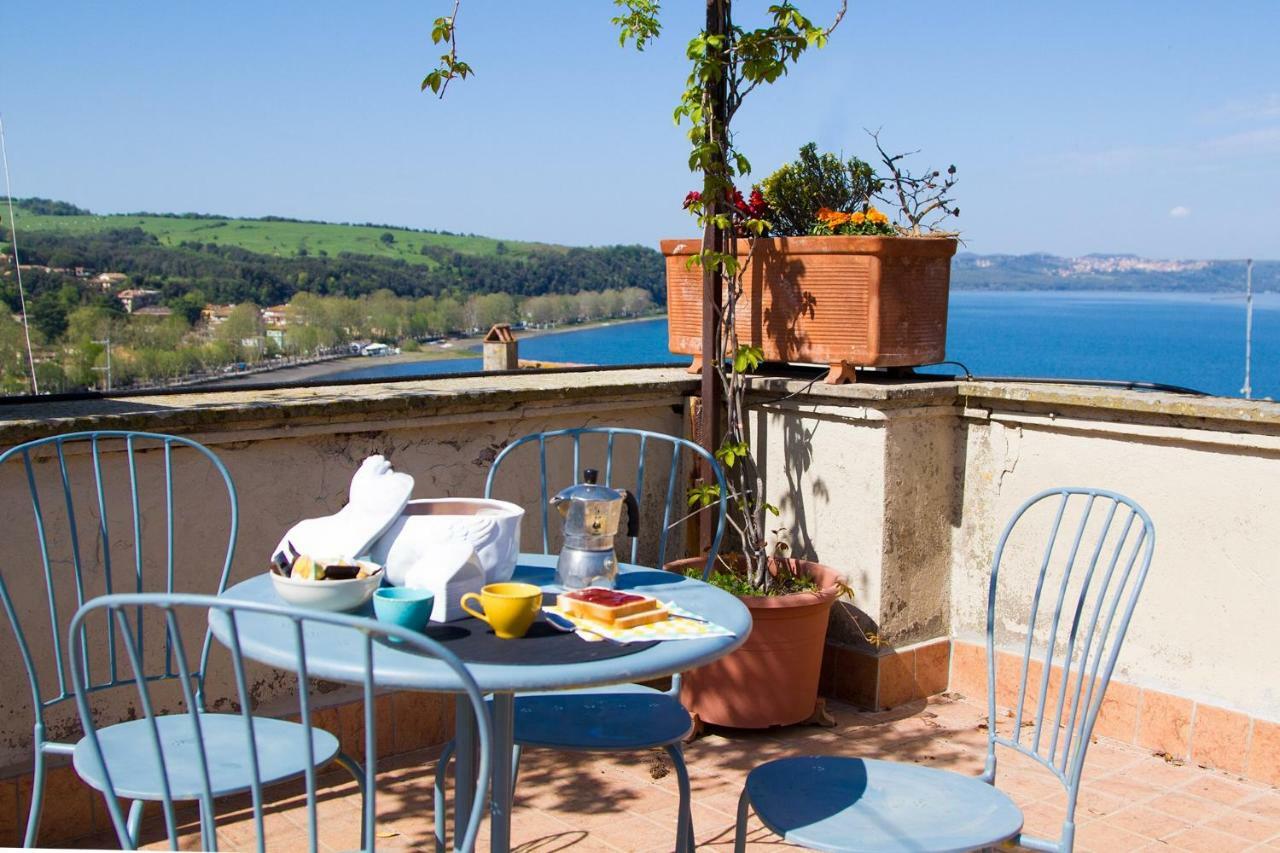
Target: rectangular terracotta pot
[(841, 301)]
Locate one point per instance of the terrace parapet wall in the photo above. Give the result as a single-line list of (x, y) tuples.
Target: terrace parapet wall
[(902, 486)]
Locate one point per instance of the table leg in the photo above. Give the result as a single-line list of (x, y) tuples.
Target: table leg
[(464, 784), (503, 782)]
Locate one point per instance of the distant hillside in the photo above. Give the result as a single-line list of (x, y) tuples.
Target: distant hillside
[(1106, 272), (270, 235), (191, 257)]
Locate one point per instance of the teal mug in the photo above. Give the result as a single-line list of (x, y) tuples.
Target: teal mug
[(399, 605)]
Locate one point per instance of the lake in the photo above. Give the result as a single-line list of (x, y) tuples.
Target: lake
[(1192, 340)]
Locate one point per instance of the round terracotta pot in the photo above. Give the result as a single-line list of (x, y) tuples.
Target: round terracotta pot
[(772, 678)]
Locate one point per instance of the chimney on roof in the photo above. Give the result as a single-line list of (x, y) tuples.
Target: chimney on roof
[(500, 349)]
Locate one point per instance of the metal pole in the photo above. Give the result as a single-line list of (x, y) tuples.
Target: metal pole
[(107, 344), (1247, 390), (712, 397)]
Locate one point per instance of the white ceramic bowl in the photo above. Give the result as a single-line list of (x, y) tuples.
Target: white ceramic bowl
[(329, 595), (490, 527)]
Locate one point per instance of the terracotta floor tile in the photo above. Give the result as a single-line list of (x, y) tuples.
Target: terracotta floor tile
[(1103, 837), (1042, 819), (1265, 805), (1202, 838), (725, 803), (1106, 756), (1028, 785), (1129, 787), (1228, 792), (1148, 822), (655, 802), (1184, 806), (635, 833), (1092, 804), (1243, 824)]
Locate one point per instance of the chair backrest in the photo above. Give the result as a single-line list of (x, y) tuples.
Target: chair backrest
[(310, 630), (1088, 574), (95, 502), (657, 468)]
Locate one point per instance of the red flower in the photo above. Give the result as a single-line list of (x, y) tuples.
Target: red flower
[(759, 207), (692, 198)]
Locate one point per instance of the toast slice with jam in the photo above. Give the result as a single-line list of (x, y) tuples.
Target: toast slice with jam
[(612, 607)]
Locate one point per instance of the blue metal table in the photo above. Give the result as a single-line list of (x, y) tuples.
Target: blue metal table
[(269, 640)]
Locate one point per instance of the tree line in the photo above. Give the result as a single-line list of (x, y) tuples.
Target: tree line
[(72, 347), (229, 274)]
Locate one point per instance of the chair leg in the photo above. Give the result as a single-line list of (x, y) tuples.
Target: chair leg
[(209, 827), (37, 800), (357, 772), (684, 821), (740, 827), (439, 824), (515, 766), (134, 824)]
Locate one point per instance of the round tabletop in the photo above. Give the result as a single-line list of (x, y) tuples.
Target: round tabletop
[(269, 639)]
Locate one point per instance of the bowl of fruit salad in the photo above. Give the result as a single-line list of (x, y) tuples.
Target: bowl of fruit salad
[(333, 584)]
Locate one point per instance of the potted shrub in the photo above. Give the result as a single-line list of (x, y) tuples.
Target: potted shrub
[(835, 282)]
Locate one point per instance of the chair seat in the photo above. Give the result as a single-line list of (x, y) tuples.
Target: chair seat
[(619, 717), (135, 771), (855, 804)]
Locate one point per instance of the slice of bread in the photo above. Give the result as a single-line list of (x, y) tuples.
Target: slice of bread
[(658, 614), (611, 607)]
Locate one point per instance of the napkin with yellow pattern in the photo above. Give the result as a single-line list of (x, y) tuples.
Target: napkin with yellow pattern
[(683, 625)]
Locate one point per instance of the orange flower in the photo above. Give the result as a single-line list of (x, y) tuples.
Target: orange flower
[(858, 218), (877, 217)]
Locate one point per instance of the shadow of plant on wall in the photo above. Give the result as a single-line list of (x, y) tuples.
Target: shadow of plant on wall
[(850, 624), (779, 322)]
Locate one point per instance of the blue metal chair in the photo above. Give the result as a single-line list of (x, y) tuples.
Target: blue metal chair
[(93, 533), (625, 717), (854, 804), (201, 755)]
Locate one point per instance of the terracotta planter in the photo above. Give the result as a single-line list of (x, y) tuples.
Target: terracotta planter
[(772, 679), (842, 301)]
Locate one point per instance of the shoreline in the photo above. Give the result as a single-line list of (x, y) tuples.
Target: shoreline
[(454, 349)]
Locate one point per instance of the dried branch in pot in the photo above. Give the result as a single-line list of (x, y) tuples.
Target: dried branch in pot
[(923, 200)]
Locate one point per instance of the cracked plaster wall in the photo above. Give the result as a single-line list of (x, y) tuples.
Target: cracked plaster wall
[(867, 491), (1206, 625)]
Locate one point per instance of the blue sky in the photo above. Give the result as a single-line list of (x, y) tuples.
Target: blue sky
[(1151, 128)]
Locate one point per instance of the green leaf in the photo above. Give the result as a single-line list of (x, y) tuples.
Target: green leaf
[(704, 495), (747, 358)]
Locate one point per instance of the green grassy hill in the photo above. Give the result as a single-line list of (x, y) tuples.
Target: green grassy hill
[(282, 238)]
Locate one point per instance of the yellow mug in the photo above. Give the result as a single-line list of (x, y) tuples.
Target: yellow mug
[(509, 608)]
